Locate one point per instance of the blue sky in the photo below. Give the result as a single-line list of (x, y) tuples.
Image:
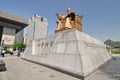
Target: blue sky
[(101, 17)]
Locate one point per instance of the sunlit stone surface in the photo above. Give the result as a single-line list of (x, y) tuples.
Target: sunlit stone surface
[(69, 50)]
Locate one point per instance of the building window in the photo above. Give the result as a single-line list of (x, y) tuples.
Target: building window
[(41, 19)]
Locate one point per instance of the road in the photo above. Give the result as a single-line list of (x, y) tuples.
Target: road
[(19, 69)]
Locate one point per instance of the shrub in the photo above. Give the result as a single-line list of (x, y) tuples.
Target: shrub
[(116, 51), (19, 45)]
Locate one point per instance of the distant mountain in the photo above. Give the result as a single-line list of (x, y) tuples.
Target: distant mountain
[(112, 43)]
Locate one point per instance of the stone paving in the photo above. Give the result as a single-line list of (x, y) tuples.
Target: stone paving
[(19, 69), (109, 71)]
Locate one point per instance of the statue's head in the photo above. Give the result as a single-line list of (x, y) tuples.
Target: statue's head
[(69, 10)]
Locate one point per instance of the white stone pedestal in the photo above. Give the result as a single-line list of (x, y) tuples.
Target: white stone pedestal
[(70, 50)]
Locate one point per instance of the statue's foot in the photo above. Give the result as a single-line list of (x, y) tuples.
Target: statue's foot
[(67, 28), (58, 30)]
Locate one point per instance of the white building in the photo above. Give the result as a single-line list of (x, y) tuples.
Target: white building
[(11, 29), (19, 36), (25, 40), (8, 37), (37, 28)]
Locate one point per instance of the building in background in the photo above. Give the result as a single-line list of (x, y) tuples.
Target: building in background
[(19, 36), (37, 28), (11, 26), (25, 40)]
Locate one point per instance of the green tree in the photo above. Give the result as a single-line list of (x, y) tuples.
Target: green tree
[(19, 45), (112, 43)]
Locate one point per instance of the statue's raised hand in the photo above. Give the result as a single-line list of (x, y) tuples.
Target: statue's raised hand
[(58, 16)]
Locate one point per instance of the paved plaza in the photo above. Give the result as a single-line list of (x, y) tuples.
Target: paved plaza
[(19, 69)]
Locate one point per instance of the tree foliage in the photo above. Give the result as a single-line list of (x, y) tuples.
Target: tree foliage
[(112, 43), (19, 45)]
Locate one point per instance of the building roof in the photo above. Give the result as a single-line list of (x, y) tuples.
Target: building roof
[(12, 21)]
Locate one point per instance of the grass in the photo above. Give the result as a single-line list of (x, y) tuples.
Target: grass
[(116, 51)]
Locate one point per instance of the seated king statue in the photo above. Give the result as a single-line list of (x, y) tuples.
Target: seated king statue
[(69, 21)]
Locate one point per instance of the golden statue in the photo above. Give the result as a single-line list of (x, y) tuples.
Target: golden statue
[(71, 20)]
